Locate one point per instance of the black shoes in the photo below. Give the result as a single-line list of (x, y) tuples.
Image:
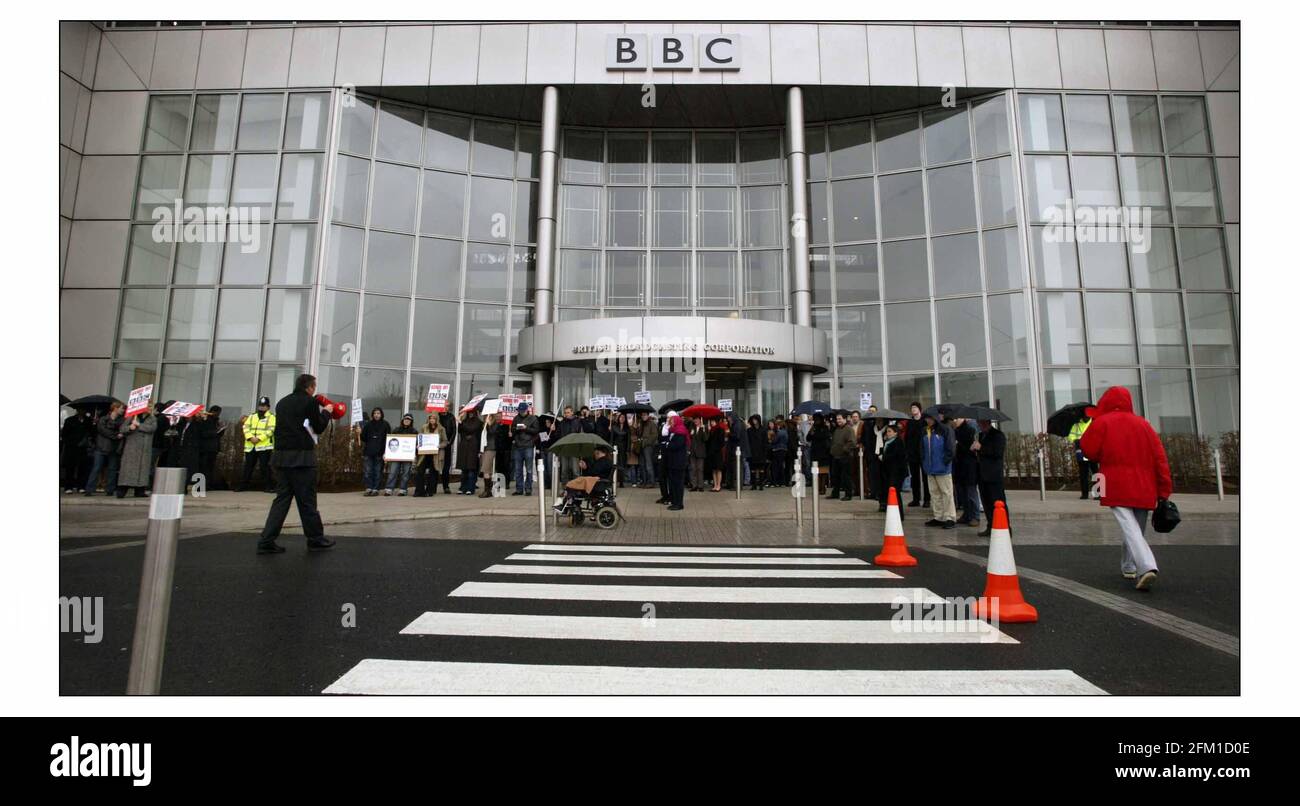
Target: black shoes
[(675, 508), (270, 548), (986, 533), (319, 544), (949, 525), (915, 504), (662, 501), (934, 522)]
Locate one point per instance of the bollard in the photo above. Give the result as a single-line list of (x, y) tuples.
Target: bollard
[(817, 525), (862, 477), (1218, 473), (614, 475), (555, 487), (798, 499), (541, 497), (1042, 477), (150, 639), (740, 474)]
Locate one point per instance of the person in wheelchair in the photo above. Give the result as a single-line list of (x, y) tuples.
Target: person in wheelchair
[(595, 473)]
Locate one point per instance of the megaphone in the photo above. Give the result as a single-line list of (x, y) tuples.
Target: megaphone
[(340, 409)]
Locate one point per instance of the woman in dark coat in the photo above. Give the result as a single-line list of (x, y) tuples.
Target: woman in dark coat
[(717, 458), (756, 433), (467, 438), (893, 465), (819, 441), (965, 474)]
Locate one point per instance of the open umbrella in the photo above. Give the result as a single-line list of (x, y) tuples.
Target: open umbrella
[(64, 399), (942, 409), (811, 407), (886, 414), (579, 446), (93, 402), (1064, 419), (636, 408), (704, 410), (676, 405), (980, 413)]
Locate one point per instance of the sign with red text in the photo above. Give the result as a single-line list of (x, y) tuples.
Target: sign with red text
[(138, 401), (437, 397), (180, 409)]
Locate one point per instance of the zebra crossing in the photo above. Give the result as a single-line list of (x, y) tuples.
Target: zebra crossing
[(759, 599)]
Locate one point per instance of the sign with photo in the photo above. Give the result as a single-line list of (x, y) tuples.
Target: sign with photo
[(400, 448), (437, 397), (180, 409), (642, 397), (426, 443), (138, 401), (725, 404), (864, 401)]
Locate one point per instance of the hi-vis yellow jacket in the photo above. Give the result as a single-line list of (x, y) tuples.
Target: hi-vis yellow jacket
[(261, 427)]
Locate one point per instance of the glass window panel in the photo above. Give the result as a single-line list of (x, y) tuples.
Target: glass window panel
[(1104, 378), (384, 322), (819, 275), (214, 122), (818, 217), (716, 216), (388, 262), (233, 388), (998, 197), (198, 263), (672, 158), (815, 143), (307, 121), (400, 129), (1089, 123), (672, 222), (627, 158), (763, 315), (525, 212), (850, 149), (1056, 264), (584, 156), (672, 279), (1008, 330), (1213, 334), (442, 208), (902, 208), (627, 217), (857, 275), (992, 129), (960, 328), (239, 322), (1137, 124), (382, 388), (1186, 130), (247, 263), (160, 184), (761, 216), (715, 159), (523, 280), (490, 208), (956, 264), (293, 254), (906, 389), (964, 387), (898, 143), (1105, 265), (1153, 261), (1219, 392), (338, 327), (288, 319), (343, 257), (259, 121), (854, 204), (207, 180), (357, 125), (1042, 127), (1013, 396), (905, 270), (437, 273), (336, 383), (579, 277), (1142, 180), (1169, 400), (147, 262), (189, 323), (1061, 387), (1194, 191), (483, 344), (395, 197), (1047, 180), (908, 335), (528, 159), (434, 342), (857, 340), (140, 328), (1204, 259), (487, 270), (253, 185), (1110, 329), (494, 148), (1060, 323), (351, 188), (1160, 328), (717, 278), (1095, 183), (300, 187), (762, 275), (625, 279), (1002, 259), (446, 143), (947, 135), (168, 123), (952, 199), (580, 225), (182, 382), (760, 157)]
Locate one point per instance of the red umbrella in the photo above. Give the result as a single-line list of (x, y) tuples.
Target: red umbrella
[(702, 410)]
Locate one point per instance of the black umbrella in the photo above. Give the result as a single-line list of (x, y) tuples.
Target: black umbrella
[(579, 446), (811, 407), (980, 413), (93, 402), (676, 405), (942, 409), (1063, 420), (64, 399), (886, 414), (636, 408)]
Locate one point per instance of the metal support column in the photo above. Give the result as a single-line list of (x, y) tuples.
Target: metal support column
[(797, 170), (543, 301)]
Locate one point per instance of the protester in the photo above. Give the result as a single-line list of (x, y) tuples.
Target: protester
[(299, 420), (546, 436), (991, 448), (487, 454), (859, 464), (665, 495), (819, 446), (938, 446), (756, 436), (427, 465), (717, 450), (164, 439), (448, 421), (893, 464), (259, 442), (600, 468), (699, 453), (210, 446), (618, 439), (779, 445), (523, 455), (1086, 466), (503, 443), (399, 473), (649, 447), (469, 435), (194, 430), (1135, 476), (676, 451), (137, 454), (372, 438), (76, 444), (569, 424), (914, 439), (108, 450), (843, 453), (965, 473)]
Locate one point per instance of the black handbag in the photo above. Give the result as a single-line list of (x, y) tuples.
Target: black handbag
[(1166, 516)]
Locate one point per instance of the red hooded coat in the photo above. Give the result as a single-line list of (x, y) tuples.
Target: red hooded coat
[(1134, 469)]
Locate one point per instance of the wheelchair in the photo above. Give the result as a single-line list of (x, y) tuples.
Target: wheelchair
[(600, 505)]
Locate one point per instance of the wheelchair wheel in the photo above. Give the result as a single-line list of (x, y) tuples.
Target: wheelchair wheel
[(606, 517), (575, 518)]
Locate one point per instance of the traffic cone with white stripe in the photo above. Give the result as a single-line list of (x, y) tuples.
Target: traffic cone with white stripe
[(895, 550), (1002, 599)]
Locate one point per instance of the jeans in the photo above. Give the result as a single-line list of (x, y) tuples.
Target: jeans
[(104, 461), (647, 465), (372, 472), (468, 481), (399, 474), (521, 459)]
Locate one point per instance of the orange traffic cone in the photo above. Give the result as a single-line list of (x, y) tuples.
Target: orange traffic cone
[(895, 550), (1002, 598)]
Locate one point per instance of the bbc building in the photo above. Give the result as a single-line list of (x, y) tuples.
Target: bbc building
[(1015, 213)]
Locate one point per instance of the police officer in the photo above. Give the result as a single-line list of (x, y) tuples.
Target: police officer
[(259, 442)]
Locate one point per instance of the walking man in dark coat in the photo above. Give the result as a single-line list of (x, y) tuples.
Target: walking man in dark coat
[(299, 419), (991, 447)]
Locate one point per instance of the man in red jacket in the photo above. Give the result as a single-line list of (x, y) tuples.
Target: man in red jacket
[(1134, 475)]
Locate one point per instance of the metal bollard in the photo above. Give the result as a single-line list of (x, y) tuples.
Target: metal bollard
[(150, 639), (615, 473), (555, 487), (798, 500), (541, 497), (1042, 477), (740, 475), (817, 524), (1218, 472), (862, 477)]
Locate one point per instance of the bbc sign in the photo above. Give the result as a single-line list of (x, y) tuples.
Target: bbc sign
[(672, 52)]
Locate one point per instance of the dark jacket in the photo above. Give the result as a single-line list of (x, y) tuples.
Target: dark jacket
[(699, 442), (405, 429), (374, 434), (893, 464), (449, 424), (913, 439), (210, 435), (294, 444), (467, 443), (601, 468), (757, 443), (842, 442), (107, 438), (525, 431), (819, 444), (76, 437), (501, 441), (993, 447), (1132, 458), (675, 456), (568, 426), (965, 464), (780, 440)]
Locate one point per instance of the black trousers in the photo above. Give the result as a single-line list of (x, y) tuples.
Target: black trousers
[(663, 479), (920, 492), (991, 491), (296, 483), (446, 468), (253, 459), (426, 475), (779, 469), (875, 479), (677, 486), (1086, 470)]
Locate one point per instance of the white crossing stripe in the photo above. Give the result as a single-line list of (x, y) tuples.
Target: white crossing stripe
[(742, 573), (744, 631), (407, 677), (681, 549), (693, 593), (652, 558)]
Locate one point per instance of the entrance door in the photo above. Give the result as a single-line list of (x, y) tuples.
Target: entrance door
[(736, 382)]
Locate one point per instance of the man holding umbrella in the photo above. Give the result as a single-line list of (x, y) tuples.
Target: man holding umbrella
[(991, 447)]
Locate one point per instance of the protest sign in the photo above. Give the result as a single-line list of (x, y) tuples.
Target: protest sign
[(864, 401), (473, 402), (427, 443), (725, 404), (400, 448), (436, 400), (138, 401), (356, 411), (180, 409)]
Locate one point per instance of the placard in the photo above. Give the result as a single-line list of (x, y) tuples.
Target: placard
[(356, 411), (179, 409), (400, 448), (138, 401), (864, 401), (506, 412), (725, 404), (427, 443), (492, 406), (473, 402), (436, 400), (642, 397)]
